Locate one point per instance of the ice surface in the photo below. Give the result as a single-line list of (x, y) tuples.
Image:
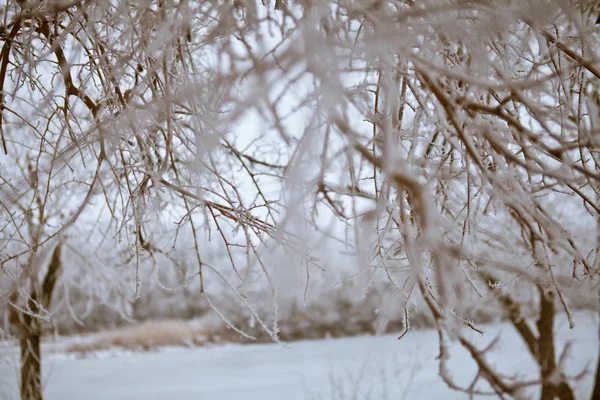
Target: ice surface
[(352, 368)]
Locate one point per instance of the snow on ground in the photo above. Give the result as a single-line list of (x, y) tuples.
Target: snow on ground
[(352, 368)]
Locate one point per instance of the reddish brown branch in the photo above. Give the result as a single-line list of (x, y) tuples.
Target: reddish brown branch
[(5, 56), (71, 89)]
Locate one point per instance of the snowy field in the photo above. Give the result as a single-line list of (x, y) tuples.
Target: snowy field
[(353, 368)]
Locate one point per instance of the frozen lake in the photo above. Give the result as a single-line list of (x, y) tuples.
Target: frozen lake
[(353, 368)]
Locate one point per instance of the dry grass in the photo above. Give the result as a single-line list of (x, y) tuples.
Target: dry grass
[(146, 336), (344, 320)]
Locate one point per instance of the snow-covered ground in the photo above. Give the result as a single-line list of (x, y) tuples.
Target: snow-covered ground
[(353, 368)]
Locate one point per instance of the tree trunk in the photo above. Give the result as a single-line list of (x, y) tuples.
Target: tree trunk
[(541, 346), (29, 327), (564, 391), (31, 367), (552, 387), (596, 391), (546, 352)]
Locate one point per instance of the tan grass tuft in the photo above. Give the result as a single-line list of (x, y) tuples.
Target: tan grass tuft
[(146, 336)]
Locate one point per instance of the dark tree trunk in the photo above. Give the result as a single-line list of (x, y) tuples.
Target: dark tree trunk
[(31, 367), (30, 329), (541, 346), (564, 391), (546, 352), (596, 391), (551, 388)]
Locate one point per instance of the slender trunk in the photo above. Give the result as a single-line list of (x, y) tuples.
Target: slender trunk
[(596, 391), (564, 391), (546, 354), (30, 329), (554, 383), (31, 367)]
